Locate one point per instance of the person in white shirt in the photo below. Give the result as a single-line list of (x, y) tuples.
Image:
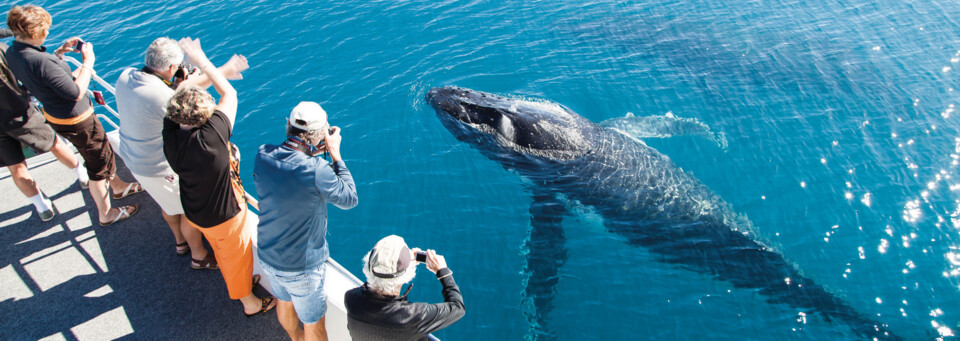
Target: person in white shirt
[(142, 97)]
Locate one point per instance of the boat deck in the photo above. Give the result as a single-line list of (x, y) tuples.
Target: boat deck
[(71, 279)]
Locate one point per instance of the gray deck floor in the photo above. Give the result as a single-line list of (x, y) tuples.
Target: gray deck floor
[(71, 279)]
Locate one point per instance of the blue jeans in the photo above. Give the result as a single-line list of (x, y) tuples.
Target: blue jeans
[(303, 288)]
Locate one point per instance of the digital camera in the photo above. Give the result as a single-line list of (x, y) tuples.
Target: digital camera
[(323, 142)]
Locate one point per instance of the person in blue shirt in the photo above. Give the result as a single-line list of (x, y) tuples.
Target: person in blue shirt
[(295, 183)]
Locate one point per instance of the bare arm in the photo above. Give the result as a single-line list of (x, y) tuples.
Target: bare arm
[(66, 84), (232, 70), (228, 95), (85, 72)]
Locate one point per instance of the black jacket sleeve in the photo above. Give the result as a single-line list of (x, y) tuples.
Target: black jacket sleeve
[(440, 315)]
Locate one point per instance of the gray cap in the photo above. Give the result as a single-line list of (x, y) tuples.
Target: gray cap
[(390, 258)]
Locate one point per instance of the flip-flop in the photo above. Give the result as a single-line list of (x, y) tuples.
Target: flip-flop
[(265, 306), (123, 215), (132, 188), (185, 249)]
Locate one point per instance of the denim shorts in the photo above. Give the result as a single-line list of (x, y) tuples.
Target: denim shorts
[(303, 288)]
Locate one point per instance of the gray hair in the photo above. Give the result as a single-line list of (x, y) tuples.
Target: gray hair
[(163, 53), (310, 137), (385, 286)]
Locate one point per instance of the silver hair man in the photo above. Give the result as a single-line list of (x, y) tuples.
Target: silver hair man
[(388, 286), (378, 311), (163, 53)]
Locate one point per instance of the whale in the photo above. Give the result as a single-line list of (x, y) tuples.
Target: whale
[(641, 196)]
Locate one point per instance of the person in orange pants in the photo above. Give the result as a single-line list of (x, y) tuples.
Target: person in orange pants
[(196, 142)]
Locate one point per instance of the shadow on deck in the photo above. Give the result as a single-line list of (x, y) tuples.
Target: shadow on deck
[(71, 279)]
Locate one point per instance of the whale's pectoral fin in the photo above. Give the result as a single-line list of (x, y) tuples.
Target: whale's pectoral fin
[(545, 253), (667, 125)]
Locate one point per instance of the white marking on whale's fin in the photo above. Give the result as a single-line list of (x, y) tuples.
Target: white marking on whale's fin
[(663, 126)]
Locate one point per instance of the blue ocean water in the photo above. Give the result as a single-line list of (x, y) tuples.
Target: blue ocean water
[(842, 142)]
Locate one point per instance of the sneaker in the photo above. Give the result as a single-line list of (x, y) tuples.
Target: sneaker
[(84, 184), (48, 214)]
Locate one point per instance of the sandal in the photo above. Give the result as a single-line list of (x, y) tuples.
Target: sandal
[(266, 304), (125, 212), (132, 188), (183, 249), (207, 263)]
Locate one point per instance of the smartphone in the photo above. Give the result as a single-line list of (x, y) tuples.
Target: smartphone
[(79, 46), (422, 256)]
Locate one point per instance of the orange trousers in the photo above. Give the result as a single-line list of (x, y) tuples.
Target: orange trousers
[(232, 245)]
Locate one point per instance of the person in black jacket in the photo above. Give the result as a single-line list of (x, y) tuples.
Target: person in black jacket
[(377, 310)]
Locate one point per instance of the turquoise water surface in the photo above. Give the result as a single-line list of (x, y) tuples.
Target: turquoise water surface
[(837, 124)]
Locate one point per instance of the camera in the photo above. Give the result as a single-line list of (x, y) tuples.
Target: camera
[(78, 46), (183, 71), (422, 256), (324, 141)]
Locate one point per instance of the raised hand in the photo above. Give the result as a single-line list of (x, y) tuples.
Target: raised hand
[(195, 54), (88, 56), (68, 46), (332, 142), (233, 68), (435, 262)]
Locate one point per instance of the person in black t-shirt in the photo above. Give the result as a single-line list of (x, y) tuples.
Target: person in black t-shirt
[(196, 142), (66, 104)]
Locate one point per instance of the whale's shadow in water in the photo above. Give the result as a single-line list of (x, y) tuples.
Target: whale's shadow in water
[(640, 194)]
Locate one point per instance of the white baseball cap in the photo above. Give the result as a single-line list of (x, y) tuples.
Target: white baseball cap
[(308, 116)]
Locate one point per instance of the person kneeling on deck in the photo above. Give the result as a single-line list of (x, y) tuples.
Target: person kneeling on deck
[(21, 122), (66, 104), (142, 97), (196, 142), (295, 184), (377, 311)]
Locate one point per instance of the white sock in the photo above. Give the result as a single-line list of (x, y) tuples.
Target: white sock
[(81, 172), (41, 203)]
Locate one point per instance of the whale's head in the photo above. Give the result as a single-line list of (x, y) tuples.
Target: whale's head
[(513, 126)]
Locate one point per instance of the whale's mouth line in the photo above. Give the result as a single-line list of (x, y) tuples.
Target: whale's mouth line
[(533, 127), (486, 131)]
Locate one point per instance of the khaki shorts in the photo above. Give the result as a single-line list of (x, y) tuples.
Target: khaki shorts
[(164, 189), (34, 133)]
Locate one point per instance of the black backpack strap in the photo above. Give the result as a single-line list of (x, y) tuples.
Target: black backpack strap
[(6, 76)]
